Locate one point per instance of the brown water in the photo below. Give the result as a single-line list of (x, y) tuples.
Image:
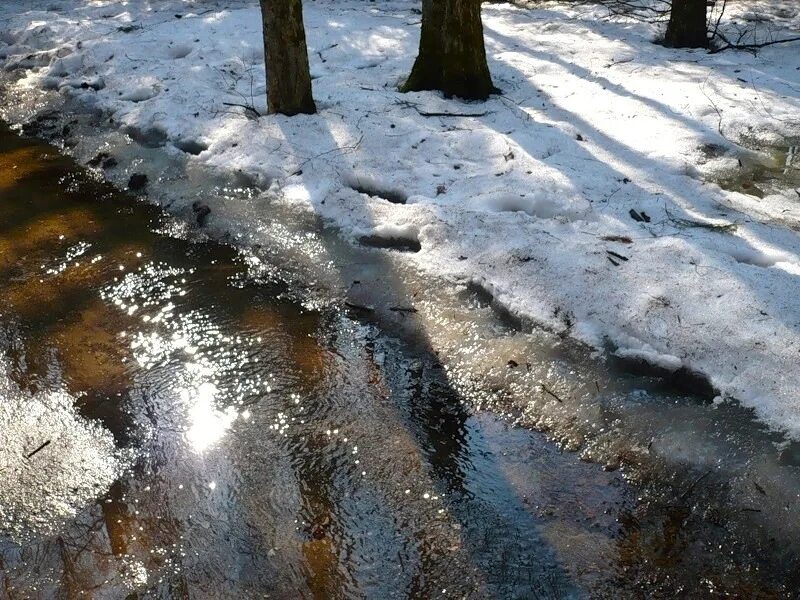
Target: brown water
[(247, 447)]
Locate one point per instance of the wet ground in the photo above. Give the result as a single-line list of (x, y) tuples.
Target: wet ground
[(178, 422)]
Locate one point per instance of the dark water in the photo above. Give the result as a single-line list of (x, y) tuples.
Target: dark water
[(250, 448)]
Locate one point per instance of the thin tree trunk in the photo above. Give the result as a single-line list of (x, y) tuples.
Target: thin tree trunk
[(288, 76), (452, 55), (687, 26)]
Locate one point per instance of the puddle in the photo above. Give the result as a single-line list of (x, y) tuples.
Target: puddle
[(773, 170), (304, 421)]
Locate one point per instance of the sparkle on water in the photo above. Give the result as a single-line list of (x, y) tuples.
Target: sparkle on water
[(206, 424)]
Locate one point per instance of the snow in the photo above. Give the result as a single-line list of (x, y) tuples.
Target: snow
[(389, 231), (582, 198)]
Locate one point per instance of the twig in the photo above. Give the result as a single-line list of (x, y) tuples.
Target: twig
[(39, 449), (689, 490), (450, 114), (623, 239), (551, 392), (319, 52), (715, 31), (331, 151), (636, 9), (716, 109), (358, 307), (405, 309), (617, 255), (244, 106), (232, 78), (718, 227)]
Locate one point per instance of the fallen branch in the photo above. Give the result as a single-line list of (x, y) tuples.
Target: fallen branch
[(425, 113), (749, 47)]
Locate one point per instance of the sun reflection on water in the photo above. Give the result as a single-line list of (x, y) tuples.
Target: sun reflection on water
[(211, 372), (207, 424)]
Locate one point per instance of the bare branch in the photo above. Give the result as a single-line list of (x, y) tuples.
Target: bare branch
[(753, 47)]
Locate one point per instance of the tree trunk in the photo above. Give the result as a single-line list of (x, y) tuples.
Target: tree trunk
[(687, 25), (286, 58), (426, 73), (452, 56)]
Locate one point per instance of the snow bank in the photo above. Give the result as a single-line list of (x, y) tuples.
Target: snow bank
[(580, 197)]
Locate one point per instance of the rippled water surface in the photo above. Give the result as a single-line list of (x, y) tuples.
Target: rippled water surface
[(174, 428)]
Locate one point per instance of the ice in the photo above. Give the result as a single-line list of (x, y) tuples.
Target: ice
[(53, 461)]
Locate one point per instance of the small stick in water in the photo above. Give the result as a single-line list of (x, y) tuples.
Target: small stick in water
[(551, 392), (690, 489), (39, 449)]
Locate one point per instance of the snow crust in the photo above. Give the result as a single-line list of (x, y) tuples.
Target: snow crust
[(581, 197)]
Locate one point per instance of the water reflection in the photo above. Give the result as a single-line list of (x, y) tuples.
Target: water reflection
[(206, 424)]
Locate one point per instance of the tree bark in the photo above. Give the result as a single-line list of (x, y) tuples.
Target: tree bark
[(286, 58), (452, 55), (687, 26), (426, 73)]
